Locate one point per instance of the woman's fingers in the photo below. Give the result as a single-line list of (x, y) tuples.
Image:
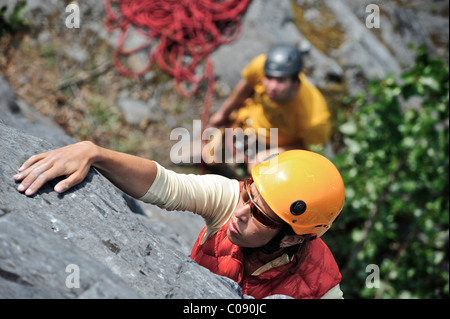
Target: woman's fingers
[(30, 173), (32, 160), (41, 168), (72, 179), (35, 176), (71, 161)]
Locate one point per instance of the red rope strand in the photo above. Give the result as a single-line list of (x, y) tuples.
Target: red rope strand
[(186, 32)]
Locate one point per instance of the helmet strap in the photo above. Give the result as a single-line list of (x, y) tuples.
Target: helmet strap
[(273, 245)]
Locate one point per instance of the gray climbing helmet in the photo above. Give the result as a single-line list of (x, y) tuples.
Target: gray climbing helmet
[(283, 60)]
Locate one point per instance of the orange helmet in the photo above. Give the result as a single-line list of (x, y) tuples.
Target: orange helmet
[(303, 188)]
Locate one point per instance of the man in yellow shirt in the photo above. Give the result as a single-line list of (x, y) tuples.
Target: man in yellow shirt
[(274, 93)]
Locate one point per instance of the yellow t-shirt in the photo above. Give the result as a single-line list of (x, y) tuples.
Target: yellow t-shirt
[(304, 119)]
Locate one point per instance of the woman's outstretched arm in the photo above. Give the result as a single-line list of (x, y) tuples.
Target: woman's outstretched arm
[(132, 174)]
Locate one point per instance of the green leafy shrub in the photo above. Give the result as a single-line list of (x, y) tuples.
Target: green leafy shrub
[(395, 166), (15, 22)]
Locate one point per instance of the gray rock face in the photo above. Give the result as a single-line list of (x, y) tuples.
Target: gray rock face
[(15, 112), (51, 243)]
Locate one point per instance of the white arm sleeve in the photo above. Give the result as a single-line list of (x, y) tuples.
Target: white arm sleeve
[(214, 197)]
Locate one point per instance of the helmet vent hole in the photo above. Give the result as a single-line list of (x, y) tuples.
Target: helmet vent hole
[(298, 207)]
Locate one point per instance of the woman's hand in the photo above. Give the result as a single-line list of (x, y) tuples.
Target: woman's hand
[(132, 174), (73, 162)]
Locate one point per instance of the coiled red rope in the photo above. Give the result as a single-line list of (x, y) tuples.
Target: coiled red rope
[(185, 33)]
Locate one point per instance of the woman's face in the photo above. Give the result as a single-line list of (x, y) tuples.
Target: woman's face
[(244, 230)]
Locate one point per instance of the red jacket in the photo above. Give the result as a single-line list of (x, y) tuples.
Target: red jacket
[(317, 274)]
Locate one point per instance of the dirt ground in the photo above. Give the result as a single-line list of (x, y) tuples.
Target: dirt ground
[(81, 96)]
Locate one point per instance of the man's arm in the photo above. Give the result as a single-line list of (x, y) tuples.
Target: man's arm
[(133, 175), (241, 92)]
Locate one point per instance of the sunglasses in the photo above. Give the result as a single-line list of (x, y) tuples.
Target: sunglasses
[(257, 213)]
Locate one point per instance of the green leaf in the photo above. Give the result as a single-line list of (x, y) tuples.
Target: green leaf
[(348, 128), (430, 82)]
